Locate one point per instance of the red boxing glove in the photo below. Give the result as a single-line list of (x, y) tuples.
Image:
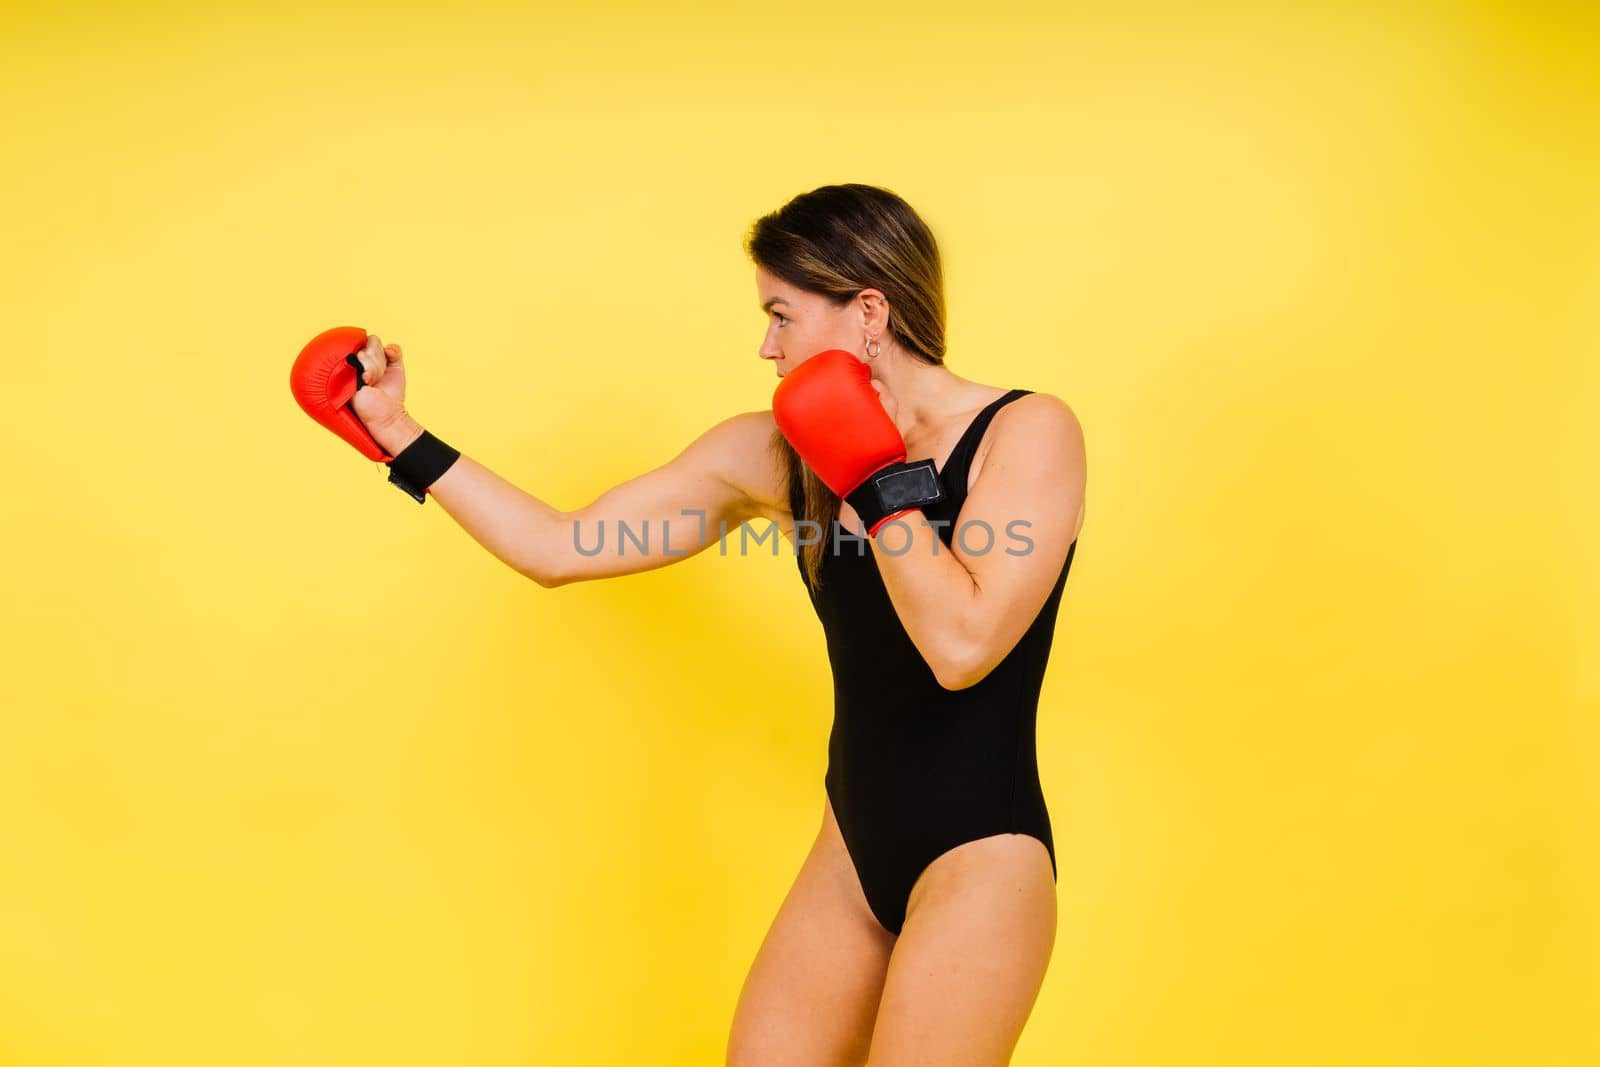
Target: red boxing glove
[(827, 409), (325, 376)]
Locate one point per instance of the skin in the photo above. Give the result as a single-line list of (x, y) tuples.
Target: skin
[(829, 985)]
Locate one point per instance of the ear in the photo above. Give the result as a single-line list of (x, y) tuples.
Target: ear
[(874, 311)]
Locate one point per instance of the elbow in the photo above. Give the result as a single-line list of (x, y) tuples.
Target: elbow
[(541, 571), (961, 669), (548, 580), (953, 682), (541, 562)]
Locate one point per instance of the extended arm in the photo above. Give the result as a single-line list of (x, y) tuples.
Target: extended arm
[(727, 475)]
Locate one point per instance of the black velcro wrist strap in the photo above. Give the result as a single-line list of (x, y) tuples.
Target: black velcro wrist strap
[(420, 464), (897, 487)]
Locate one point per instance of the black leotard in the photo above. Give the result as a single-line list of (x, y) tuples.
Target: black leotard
[(915, 769)]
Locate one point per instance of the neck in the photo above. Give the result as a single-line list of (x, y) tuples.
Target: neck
[(925, 394)]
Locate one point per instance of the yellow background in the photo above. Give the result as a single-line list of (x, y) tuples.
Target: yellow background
[(292, 771)]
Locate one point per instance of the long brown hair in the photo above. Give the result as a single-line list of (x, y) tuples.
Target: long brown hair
[(835, 241)]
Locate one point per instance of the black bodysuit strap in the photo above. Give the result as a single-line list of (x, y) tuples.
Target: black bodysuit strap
[(954, 472)]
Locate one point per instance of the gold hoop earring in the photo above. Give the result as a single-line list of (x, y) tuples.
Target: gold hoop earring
[(871, 352)]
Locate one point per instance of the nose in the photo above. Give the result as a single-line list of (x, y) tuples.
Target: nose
[(770, 348)]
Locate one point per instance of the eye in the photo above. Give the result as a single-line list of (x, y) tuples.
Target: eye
[(783, 321)]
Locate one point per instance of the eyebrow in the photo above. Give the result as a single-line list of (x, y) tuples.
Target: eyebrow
[(775, 300)]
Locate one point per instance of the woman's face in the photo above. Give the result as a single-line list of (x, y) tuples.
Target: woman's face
[(801, 324)]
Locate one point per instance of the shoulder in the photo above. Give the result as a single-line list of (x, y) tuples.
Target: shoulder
[(1039, 428), (741, 449), (1043, 414), (1040, 407), (744, 428)]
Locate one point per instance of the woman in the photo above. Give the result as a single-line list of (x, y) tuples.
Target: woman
[(921, 922)]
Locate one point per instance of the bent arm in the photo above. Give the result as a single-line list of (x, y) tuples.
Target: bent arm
[(726, 475), (966, 609)]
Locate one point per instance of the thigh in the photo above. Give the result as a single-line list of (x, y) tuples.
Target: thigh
[(812, 992), (971, 957)]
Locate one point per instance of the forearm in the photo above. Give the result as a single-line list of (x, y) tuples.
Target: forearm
[(515, 526), (933, 593)]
